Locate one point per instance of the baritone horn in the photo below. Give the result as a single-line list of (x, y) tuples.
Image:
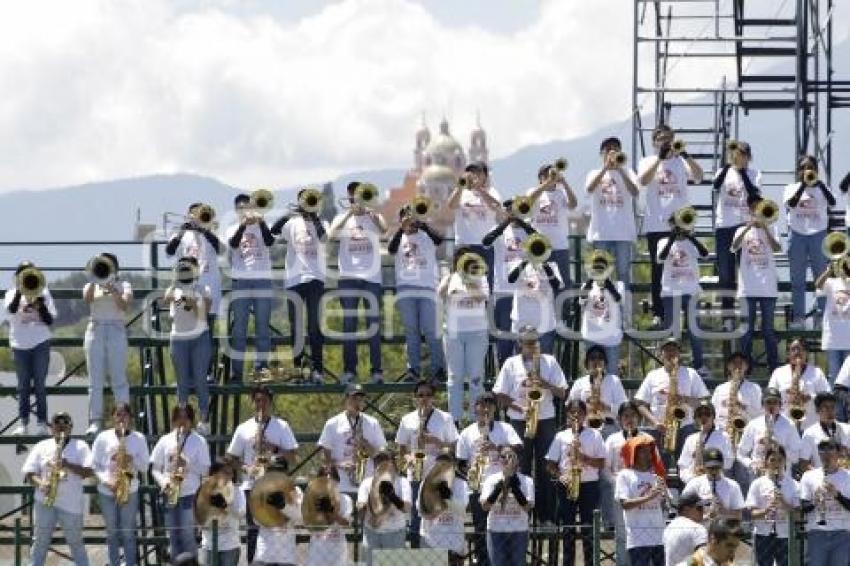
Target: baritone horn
[(100, 270), (421, 207), (836, 245), (766, 211), (262, 200), (685, 218), (30, 282), (310, 201), (599, 265), (537, 248), (366, 194), (471, 264)]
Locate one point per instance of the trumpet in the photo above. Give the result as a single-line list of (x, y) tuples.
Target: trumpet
[(810, 177), (599, 265), (559, 166), (310, 201), (620, 158), (732, 145), (463, 182), (678, 146), (204, 215), (30, 282), (471, 264), (100, 270), (537, 248), (766, 211), (262, 200), (685, 218), (521, 207), (421, 207), (835, 246)]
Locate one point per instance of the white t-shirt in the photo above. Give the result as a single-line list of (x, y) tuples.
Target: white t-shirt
[(666, 193), (753, 444), (187, 324), (337, 436), (466, 311), (749, 396), (843, 377), (836, 318), (39, 462), (395, 519), (194, 244), (644, 523), (592, 445), (811, 215), (277, 545), (197, 456), (680, 275), (500, 434), (359, 248), (275, 431), (812, 382), (512, 382), (602, 316), (251, 260), (613, 452), (837, 517), (474, 217), (510, 517), (228, 527), (439, 424), (715, 439), (446, 530), (757, 270), (681, 538), (727, 490), (655, 387), (306, 258), (106, 446), (732, 208), (534, 299), (611, 393), (813, 435), (103, 307), (612, 212), (761, 495), (416, 261), (26, 330), (328, 547), (507, 254), (551, 217)]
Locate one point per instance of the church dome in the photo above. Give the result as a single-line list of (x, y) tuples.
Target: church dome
[(444, 150), (438, 174)]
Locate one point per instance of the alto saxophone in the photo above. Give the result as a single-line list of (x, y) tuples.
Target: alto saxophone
[(533, 396), (674, 413), (699, 468), (479, 462), (419, 452), (571, 478), (123, 469), (361, 455), (177, 474), (735, 421), (595, 416), (57, 472), (262, 456), (795, 396)]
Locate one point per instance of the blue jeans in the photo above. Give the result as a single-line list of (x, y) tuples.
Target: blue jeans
[(534, 451), (834, 361), (584, 506), (311, 297), (622, 252), (770, 550), (507, 549), (417, 308), (180, 523), (478, 541), (120, 521), (46, 519), (767, 305), (656, 269), (803, 252), (191, 359), (415, 519), (726, 263), (31, 368), (225, 557), (374, 540), (612, 355), (106, 353), (349, 322), (259, 299), (671, 318), (465, 359), (827, 548), (646, 556), (502, 304)]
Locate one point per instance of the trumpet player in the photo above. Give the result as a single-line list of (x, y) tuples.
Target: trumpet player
[(414, 245), (230, 505), (250, 241), (771, 498), (722, 495), (612, 190), (359, 230), (178, 462), (601, 390), (536, 284), (807, 203), (30, 312), (602, 311), (707, 435), (665, 177), (523, 375), (255, 442), (119, 455), (835, 332), (56, 468), (507, 498), (576, 455), (109, 298), (383, 502), (799, 382), (679, 254), (827, 428), (825, 499), (305, 235), (757, 241), (763, 432)]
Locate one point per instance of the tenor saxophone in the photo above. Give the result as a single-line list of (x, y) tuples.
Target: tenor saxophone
[(123, 469), (674, 413), (479, 462), (57, 472), (419, 452), (595, 416), (795, 396), (735, 422), (533, 396)]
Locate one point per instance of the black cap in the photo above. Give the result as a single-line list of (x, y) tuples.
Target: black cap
[(690, 499), (241, 198), (771, 393), (62, 415), (827, 444), (610, 141), (712, 458), (477, 167), (354, 389)]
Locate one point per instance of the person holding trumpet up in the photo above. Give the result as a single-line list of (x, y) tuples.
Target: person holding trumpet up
[(834, 283), (601, 308)]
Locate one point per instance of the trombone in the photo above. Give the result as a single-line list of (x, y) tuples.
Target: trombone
[(30, 282), (537, 248), (101, 270), (685, 218), (204, 215), (365, 195), (766, 211)]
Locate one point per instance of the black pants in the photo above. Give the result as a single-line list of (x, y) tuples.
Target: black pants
[(646, 556), (479, 523), (251, 530), (311, 296), (771, 549), (534, 450), (652, 239), (587, 502)]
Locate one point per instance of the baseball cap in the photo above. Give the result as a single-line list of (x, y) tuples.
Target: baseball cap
[(354, 389), (772, 393), (712, 458), (690, 499)]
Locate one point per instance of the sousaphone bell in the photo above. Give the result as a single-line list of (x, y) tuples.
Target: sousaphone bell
[(264, 513), (322, 488), (430, 501), (205, 511), (378, 506)]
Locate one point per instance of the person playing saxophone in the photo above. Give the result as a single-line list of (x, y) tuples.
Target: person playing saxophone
[(119, 454), (56, 468), (601, 391), (799, 381), (722, 495), (772, 496), (708, 435)]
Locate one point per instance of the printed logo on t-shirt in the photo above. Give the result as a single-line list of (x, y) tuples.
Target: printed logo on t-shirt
[(679, 265), (29, 314), (547, 210), (733, 196), (600, 307), (305, 243), (841, 304), (668, 184), (609, 193), (756, 251), (412, 257), (358, 241), (807, 209), (473, 210), (643, 488), (249, 248)]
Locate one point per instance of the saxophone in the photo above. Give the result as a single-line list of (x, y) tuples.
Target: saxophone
[(361, 455), (262, 457), (178, 472), (571, 478), (699, 468), (533, 396), (123, 469), (820, 502), (674, 413), (419, 451), (795, 396), (776, 477), (479, 462), (595, 416), (57, 471), (735, 422)]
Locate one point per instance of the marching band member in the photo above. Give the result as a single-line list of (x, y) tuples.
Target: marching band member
[(722, 495), (464, 293), (600, 390), (109, 298), (255, 442), (443, 520), (350, 439), (523, 376), (305, 236), (748, 394), (723, 539), (835, 332), (678, 253), (188, 303), (477, 451), (707, 435), (250, 242), (686, 533), (841, 387), (119, 455), (178, 462), (359, 230), (414, 246), (230, 513), (507, 498), (799, 382), (827, 428), (642, 493), (422, 435), (384, 501), (574, 459), (665, 177), (602, 317), (807, 205), (613, 190), (328, 546), (825, 498), (276, 546), (56, 468), (772, 496), (771, 428), (537, 284), (30, 312)]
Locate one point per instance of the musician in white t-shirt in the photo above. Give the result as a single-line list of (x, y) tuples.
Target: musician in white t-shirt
[(277, 545), (811, 381), (722, 495), (230, 514), (598, 380), (602, 318), (686, 533), (707, 435), (328, 546), (760, 433), (507, 497), (387, 529), (554, 203), (771, 497), (825, 429), (825, 498), (536, 286), (835, 332), (445, 528)]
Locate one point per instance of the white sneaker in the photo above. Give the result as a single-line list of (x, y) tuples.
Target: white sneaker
[(21, 430), (42, 430), (93, 429), (203, 428), (378, 377)]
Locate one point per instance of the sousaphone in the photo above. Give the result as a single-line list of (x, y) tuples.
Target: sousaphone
[(205, 512), (318, 489), (430, 502), (378, 506), (265, 514)]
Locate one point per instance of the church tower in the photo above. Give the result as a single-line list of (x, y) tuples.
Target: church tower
[(478, 143)]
